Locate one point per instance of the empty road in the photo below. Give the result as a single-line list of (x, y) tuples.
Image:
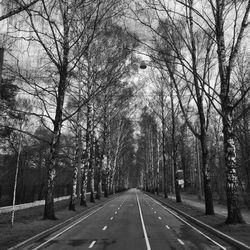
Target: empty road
[(132, 221)]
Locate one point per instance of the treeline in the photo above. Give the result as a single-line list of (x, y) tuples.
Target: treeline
[(157, 172), (199, 65), (65, 106), (31, 182)]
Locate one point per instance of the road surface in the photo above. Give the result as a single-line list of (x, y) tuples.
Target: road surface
[(132, 221)]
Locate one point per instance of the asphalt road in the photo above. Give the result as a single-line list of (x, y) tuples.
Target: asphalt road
[(132, 221)]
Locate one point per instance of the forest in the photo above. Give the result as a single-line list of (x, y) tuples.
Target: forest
[(101, 96)]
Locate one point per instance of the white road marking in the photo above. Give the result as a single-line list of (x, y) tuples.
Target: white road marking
[(118, 208), (72, 225), (104, 228), (92, 244), (155, 212), (197, 230), (181, 242), (159, 218), (143, 225), (111, 218), (167, 227), (115, 212)]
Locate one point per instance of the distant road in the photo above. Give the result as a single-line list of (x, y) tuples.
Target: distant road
[(132, 221)]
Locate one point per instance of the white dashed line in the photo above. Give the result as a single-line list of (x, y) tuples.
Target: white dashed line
[(72, 225), (167, 227), (181, 242), (104, 228), (115, 212), (92, 244), (155, 212), (111, 218), (159, 218), (118, 208)]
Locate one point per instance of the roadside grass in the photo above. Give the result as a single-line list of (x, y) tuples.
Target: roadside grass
[(240, 232), (29, 222)]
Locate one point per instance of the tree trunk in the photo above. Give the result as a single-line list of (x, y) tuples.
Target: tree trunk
[(84, 171), (164, 160), (105, 175), (158, 169), (1, 63), (209, 207), (16, 178), (177, 186), (106, 186), (91, 149), (98, 164), (77, 162), (174, 148), (92, 185), (99, 189), (197, 150), (209, 210), (225, 69), (73, 197), (233, 205), (99, 180), (49, 212)]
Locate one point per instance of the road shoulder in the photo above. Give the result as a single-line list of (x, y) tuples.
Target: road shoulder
[(240, 232), (29, 222)]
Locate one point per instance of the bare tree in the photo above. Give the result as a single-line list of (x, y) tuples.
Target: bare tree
[(14, 7), (226, 65), (64, 29), (228, 41)]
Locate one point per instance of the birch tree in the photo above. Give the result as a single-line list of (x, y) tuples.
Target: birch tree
[(226, 65), (212, 17), (188, 63), (157, 102), (64, 30)]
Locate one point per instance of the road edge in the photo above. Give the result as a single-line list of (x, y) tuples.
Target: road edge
[(223, 236), (59, 226)]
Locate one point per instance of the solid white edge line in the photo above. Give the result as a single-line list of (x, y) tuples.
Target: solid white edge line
[(92, 244), (68, 228), (143, 225), (216, 243), (181, 242)]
